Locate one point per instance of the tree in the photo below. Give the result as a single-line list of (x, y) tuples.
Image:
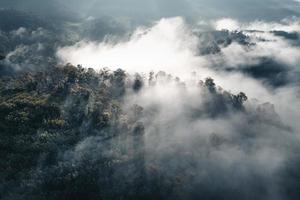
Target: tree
[(210, 84), (2, 56), (138, 83)]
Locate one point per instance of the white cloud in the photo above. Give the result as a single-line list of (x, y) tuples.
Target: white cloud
[(227, 24), (168, 45), (171, 46), (287, 25)]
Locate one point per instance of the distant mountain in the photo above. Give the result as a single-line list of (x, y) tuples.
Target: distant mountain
[(54, 9), (11, 19)]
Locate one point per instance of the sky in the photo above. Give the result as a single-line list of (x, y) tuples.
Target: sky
[(154, 9)]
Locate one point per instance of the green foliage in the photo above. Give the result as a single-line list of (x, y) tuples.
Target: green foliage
[(44, 114), (48, 117)]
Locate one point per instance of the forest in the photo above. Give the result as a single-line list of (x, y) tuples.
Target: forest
[(100, 102)]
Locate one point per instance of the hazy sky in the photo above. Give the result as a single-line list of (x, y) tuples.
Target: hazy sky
[(143, 10)]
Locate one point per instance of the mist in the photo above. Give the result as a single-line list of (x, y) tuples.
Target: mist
[(162, 99), (198, 130)]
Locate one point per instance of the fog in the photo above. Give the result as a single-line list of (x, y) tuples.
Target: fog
[(173, 46), (258, 142), (183, 99)]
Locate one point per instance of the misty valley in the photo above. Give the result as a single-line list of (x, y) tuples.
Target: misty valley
[(149, 100)]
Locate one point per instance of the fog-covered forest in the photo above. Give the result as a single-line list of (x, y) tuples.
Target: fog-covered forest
[(149, 100)]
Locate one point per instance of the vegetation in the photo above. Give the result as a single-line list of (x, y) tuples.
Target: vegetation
[(46, 116)]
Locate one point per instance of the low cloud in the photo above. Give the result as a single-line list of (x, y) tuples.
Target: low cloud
[(173, 46), (182, 129), (168, 45), (204, 110)]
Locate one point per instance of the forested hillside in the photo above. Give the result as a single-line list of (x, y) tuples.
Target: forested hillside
[(45, 116), (98, 102)]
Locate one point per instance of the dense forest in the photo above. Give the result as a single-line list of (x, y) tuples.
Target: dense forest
[(66, 134), (227, 129), (46, 117)]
